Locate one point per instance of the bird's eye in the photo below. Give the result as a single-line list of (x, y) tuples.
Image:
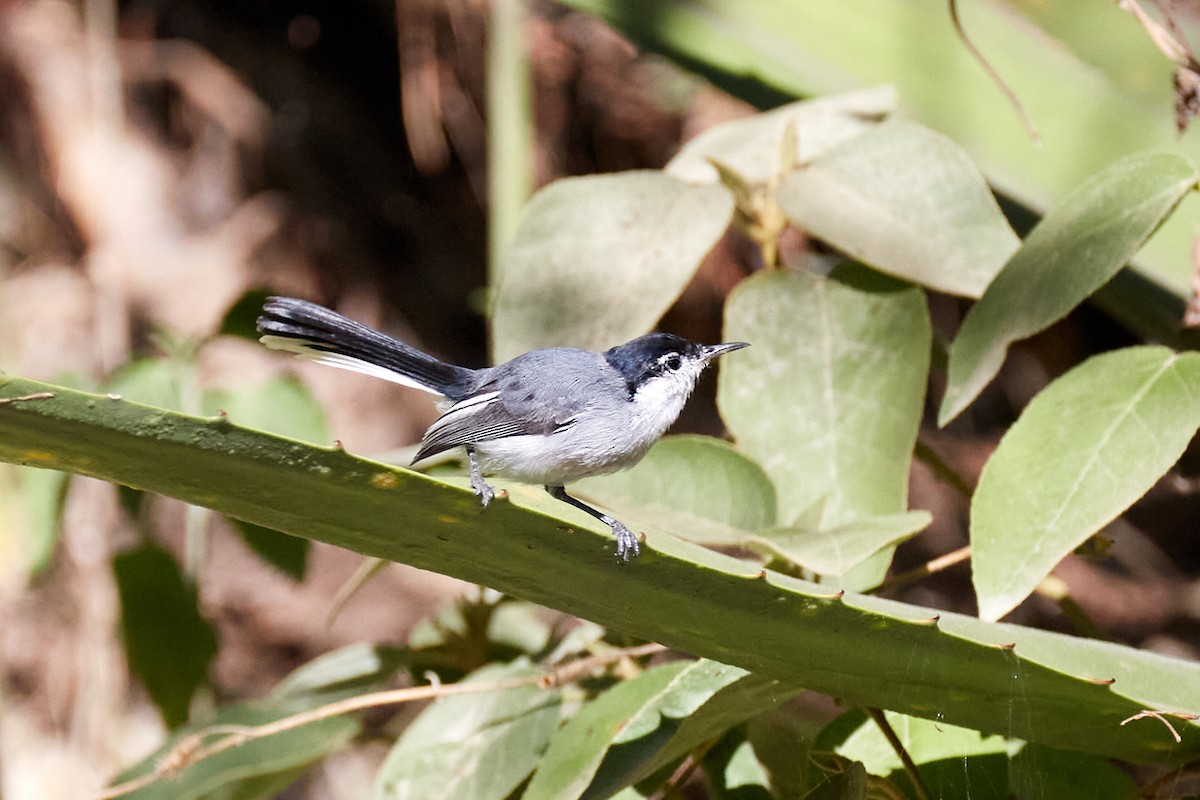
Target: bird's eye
[(674, 362)]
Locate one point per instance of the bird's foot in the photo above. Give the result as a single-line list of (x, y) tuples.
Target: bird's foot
[(479, 486), (482, 490), (627, 542)]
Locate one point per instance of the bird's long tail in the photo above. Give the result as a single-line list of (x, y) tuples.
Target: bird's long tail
[(314, 332)]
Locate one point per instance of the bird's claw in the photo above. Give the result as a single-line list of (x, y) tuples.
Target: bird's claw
[(482, 490), (627, 543)]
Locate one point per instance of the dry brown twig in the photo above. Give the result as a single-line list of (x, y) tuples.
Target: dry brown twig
[(1007, 90), (191, 749), (1161, 716)]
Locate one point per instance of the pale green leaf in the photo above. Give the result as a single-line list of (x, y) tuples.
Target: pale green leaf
[(829, 398), (259, 768), (153, 381), (834, 550), (738, 774), (43, 492), (642, 724), (281, 405), (1083, 451), (475, 746), (750, 146), (597, 260), (1076, 248), (353, 667), (907, 201), (770, 52), (696, 487), (925, 740), (953, 762)]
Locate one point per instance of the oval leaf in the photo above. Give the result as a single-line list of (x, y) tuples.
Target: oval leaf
[(1072, 252), (835, 550), (751, 146), (168, 644), (697, 487), (471, 747), (642, 724), (589, 247), (258, 768), (1083, 451), (829, 398), (908, 201)]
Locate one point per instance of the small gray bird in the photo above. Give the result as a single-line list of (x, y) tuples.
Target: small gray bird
[(547, 417)]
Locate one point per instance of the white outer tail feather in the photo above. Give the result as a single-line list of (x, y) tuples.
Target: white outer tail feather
[(311, 352)]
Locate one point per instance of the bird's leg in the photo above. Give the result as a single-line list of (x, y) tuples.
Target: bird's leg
[(627, 540), (484, 492)]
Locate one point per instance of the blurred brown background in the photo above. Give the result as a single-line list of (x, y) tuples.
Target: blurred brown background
[(159, 159)]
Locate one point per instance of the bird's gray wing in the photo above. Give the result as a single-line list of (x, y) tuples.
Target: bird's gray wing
[(532, 398), (480, 418)]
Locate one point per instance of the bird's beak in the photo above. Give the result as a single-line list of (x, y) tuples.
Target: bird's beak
[(711, 351)]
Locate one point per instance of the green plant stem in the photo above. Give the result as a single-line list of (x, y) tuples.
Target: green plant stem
[(510, 127), (848, 646)]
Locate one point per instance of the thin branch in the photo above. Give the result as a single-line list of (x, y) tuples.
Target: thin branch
[(930, 567), (910, 767), (941, 470), (1161, 716), (34, 396), (191, 749), (1026, 121), (1055, 588)]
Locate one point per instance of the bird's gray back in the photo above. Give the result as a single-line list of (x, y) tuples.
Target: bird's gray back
[(552, 386)]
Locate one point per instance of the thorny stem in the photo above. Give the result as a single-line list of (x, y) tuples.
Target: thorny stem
[(190, 751)]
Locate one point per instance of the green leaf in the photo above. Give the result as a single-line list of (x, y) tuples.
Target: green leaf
[(771, 52), (1075, 249), (849, 646), (43, 491), (167, 642), (358, 667), (472, 747), (282, 405), (588, 246), (828, 400), (834, 550), (1038, 772), (288, 553), (907, 201), (735, 773), (1083, 451), (953, 762), (259, 768), (642, 724), (925, 741), (782, 741), (698, 487), (751, 146), (241, 318), (153, 381)]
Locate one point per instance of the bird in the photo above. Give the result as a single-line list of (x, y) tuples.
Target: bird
[(548, 417)]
